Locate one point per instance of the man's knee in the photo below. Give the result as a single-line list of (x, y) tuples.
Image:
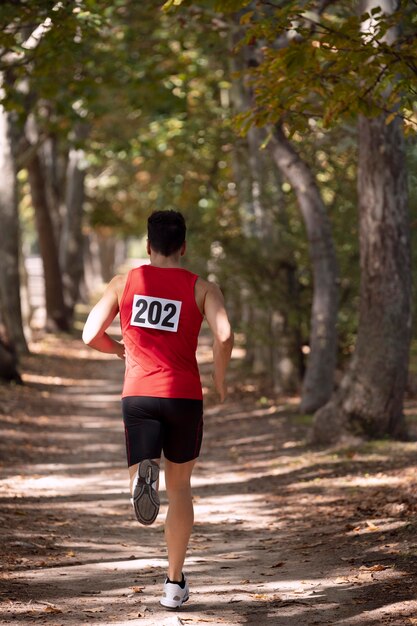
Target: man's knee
[(178, 487)]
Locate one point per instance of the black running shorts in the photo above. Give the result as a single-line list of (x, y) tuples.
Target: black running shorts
[(171, 425)]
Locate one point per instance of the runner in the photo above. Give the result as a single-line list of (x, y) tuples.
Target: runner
[(161, 310)]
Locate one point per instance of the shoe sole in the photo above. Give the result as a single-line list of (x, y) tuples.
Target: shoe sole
[(145, 498), (177, 606)]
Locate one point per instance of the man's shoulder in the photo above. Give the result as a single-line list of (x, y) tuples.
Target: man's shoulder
[(206, 291), (118, 283), (206, 285)]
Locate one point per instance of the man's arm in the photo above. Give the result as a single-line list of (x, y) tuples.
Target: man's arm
[(218, 321), (100, 318)]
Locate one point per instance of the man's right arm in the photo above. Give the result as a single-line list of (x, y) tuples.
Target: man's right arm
[(218, 321)]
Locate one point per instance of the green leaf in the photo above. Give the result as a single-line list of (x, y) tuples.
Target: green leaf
[(170, 4)]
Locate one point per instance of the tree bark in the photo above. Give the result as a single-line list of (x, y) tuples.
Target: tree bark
[(319, 377), (8, 356), (56, 311), (369, 401), (72, 244), (107, 249), (54, 166), (9, 238), (92, 264), (268, 351)]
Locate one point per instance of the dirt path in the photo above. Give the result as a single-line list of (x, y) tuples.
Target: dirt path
[(284, 534)]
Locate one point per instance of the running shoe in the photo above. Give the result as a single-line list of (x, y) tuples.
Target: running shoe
[(173, 595), (145, 496)]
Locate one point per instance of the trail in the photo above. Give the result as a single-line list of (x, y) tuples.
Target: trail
[(285, 534)]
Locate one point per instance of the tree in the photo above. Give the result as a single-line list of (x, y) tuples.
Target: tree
[(44, 47), (56, 311), (23, 33), (72, 258), (318, 381), (370, 398), (330, 73), (9, 238)]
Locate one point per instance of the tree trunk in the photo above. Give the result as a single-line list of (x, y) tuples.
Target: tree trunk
[(107, 249), (8, 355), (92, 265), (319, 377), (268, 352), (72, 245), (25, 303), (9, 238), (56, 312), (8, 364), (370, 398), (54, 167)]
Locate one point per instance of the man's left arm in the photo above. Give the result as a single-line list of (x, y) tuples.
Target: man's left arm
[(100, 318)]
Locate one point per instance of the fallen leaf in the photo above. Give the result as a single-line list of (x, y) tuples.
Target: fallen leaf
[(364, 577), (378, 567), (52, 609)]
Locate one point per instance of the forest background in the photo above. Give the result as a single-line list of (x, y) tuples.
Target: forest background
[(285, 133)]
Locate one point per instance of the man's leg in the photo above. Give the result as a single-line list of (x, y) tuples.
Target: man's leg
[(180, 516), (144, 489)]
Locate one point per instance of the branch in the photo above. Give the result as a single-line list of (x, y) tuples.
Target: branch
[(30, 44), (35, 38), (323, 4), (27, 150)]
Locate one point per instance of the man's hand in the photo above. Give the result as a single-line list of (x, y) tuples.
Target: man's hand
[(120, 350)]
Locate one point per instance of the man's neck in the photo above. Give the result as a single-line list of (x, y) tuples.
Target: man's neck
[(159, 260)]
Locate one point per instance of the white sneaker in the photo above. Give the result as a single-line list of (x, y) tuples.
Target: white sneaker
[(145, 498), (173, 596)]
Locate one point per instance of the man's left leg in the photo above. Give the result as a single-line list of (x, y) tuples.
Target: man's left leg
[(178, 527), (144, 479), (143, 432)]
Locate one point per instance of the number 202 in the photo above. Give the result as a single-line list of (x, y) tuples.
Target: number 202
[(154, 313)]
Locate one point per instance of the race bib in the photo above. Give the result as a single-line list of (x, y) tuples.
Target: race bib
[(151, 312)]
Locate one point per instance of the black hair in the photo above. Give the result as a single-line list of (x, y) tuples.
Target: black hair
[(166, 231)]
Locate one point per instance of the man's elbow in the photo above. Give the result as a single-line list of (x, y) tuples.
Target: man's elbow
[(225, 338), (88, 336)]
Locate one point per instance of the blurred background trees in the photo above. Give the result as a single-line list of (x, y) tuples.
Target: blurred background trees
[(244, 116)]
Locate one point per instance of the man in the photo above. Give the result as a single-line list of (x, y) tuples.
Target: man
[(161, 309)]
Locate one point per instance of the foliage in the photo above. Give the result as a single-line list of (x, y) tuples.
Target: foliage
[(330, 64), (155, 89)]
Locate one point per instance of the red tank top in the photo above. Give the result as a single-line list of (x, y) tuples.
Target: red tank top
[(160, 323)]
